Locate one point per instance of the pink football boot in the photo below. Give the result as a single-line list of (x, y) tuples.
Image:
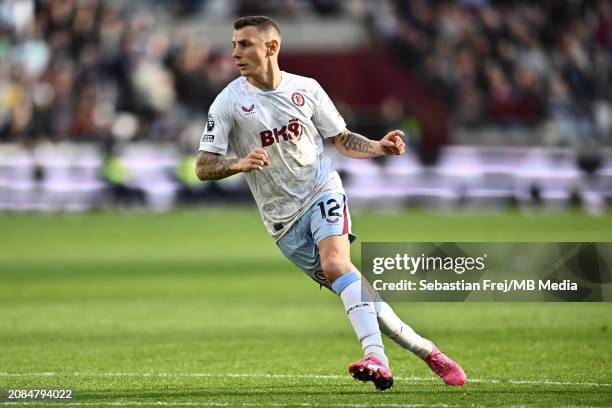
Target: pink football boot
[(445, 368), (371, 368)]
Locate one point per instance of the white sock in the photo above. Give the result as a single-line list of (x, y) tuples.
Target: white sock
[(361, 314), (398, 331)]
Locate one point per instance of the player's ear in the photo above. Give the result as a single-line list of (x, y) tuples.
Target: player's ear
[(272, 47)]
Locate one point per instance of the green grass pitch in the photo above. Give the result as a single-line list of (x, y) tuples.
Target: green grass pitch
[(199, 308)]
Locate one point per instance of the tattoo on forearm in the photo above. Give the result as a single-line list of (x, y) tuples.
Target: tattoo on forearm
[(356, 142), (214, 167)]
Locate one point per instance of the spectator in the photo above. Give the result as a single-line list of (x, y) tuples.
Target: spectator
[(501, 63)]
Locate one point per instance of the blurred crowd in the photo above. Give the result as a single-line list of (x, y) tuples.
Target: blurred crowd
[(82, 70), (509, 63), (98, 70)]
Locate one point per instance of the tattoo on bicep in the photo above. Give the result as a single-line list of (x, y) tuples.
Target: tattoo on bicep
[(356, 142), (210, 166)]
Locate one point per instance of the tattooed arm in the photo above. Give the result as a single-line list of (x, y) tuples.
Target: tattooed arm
[(211, 166), (360, 147)]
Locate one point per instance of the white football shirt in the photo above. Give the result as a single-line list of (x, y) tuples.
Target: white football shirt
[(290, 122)]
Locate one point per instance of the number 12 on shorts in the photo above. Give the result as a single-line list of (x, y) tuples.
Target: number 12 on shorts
[(331, 206)]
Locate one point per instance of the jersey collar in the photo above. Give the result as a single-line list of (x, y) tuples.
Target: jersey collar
[(267, 91)]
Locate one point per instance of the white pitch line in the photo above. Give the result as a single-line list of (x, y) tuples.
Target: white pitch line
[(256, 404), (539, 382), (311, 376)]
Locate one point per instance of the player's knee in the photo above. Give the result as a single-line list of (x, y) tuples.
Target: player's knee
[(334, 265)]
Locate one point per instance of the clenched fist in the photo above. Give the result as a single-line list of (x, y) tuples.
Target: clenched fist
[(392, 143), (256, 160)]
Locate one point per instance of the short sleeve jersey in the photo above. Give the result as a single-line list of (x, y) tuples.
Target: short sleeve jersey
[(290, 123)]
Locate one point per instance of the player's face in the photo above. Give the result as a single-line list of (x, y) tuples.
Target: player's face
[(249, 51)]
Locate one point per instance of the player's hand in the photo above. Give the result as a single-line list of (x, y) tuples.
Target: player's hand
[(256, 160), (392, 143)]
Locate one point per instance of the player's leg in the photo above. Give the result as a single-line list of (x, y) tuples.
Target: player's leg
[(335, 254), (401, 333), (298, 245), (330, 225), (346, 282), (393, 327)]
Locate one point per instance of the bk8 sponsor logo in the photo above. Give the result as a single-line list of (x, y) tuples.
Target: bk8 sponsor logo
[(291, 131)]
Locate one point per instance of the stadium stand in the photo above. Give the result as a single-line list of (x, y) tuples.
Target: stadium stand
[(102, 102)]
